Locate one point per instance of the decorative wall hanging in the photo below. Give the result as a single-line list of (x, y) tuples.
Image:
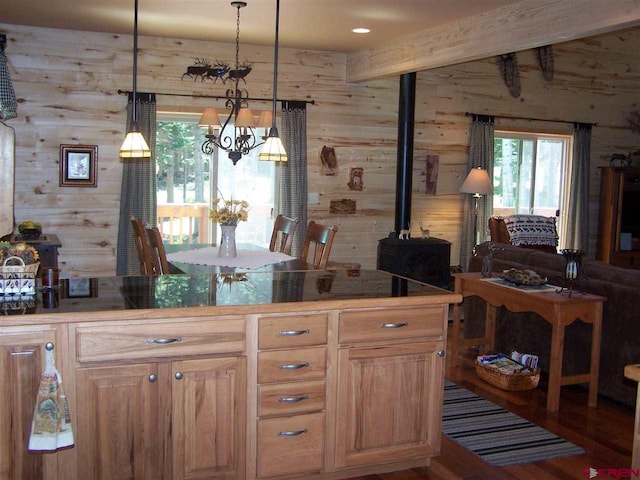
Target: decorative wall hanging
[(328, 160), (78, 165), (203, 69), (545, 60), (433, 165), (355, 178), (343, 206), (508, 65)]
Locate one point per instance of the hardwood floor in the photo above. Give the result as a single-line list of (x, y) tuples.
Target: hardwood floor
[(604, 432)]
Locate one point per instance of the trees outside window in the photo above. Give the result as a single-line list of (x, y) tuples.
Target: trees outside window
[(529, 173), (186, 177)]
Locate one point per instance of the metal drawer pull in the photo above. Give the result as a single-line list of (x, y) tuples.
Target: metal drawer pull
[(294, 333), (164, 341), (294, 366), (293, 399), (394, 325), (295, 433)]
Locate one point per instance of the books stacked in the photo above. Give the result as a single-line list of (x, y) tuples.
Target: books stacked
[(526, 359)]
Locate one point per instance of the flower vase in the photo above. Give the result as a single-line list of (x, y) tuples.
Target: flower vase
[(227, 241)]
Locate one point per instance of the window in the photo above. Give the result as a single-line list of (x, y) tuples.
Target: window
[(188, 180), (529, 174)]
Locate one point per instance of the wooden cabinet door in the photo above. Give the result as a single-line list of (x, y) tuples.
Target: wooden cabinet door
[(389, 403), (21, 363), (208, 418), (118, 427)]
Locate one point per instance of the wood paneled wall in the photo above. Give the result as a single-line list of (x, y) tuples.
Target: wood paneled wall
[(67, 84)]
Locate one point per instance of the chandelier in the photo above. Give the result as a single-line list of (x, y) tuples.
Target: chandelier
[(243, 139)]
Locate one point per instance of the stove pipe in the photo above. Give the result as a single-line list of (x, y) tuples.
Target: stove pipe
[(404, 169)]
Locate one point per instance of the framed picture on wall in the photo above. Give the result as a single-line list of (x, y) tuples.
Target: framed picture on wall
[(78, 165)]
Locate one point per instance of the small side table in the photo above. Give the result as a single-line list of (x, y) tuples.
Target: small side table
[(632, 372), (46, 245)]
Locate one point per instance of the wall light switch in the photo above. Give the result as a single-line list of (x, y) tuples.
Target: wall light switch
[(313, 198)]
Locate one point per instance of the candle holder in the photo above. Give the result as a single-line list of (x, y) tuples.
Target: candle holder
[(572, 268)]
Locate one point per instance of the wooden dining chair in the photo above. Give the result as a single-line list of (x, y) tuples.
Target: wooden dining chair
[(282, 236), (142, 246), (319, 238), (158, 254)]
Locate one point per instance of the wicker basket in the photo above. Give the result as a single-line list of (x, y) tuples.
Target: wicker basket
[(16, 277), (508, 381)]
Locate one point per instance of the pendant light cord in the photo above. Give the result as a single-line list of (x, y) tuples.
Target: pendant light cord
[(275, 67), (135, 68)]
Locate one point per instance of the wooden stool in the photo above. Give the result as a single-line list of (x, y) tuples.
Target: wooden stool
[(632, 372)]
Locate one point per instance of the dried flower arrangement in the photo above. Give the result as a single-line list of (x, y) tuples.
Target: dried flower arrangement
[(229, 212)]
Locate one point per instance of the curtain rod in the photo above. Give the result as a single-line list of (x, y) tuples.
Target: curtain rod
[(220, 97), (531, 119)]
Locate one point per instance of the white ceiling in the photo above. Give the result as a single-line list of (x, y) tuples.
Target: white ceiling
[(307, 24)]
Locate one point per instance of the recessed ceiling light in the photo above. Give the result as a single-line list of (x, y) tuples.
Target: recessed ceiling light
[(360, 30)]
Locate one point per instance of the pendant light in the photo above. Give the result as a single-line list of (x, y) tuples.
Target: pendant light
[(273, 149), (243, 138), (134, 145)]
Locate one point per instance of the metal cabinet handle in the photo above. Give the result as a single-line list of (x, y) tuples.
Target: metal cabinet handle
[(293, 366), (179, 375), (394, 325), (294, 333), (294, 433), (440, 353), (164, 341), (293, 399), (152, 378)]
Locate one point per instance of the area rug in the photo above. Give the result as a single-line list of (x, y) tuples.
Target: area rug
[(499, 437)]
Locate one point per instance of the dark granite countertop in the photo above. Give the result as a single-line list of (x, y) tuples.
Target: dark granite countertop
[(179, 291)]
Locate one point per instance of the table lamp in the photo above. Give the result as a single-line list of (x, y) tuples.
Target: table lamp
[(477, 183)]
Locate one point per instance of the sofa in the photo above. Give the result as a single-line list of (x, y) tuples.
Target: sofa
[(528, 333)]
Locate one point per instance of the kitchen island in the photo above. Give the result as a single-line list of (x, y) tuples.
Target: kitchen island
[(279, 375)]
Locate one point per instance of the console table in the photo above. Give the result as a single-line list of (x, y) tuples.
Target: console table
[(558, 309), (46, 245), (632, 372)]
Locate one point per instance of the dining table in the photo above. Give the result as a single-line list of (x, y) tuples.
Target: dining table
[(196, 259)]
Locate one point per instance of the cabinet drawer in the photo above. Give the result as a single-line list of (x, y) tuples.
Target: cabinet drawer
[(132, 341), (374, 325), (292, 365), (294, 331), (291, 398), (290, 445)]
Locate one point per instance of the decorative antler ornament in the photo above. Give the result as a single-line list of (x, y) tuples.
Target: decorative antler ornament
[(545, 60), (508, 65)]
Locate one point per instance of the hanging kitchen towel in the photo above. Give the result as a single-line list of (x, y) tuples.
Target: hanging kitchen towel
[(8, 104), (51, 426)]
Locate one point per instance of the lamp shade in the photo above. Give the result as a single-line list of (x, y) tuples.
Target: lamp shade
[(477, 182), (273, 149), (245, 118), (265, 120), (134, 146), (209, 118)]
